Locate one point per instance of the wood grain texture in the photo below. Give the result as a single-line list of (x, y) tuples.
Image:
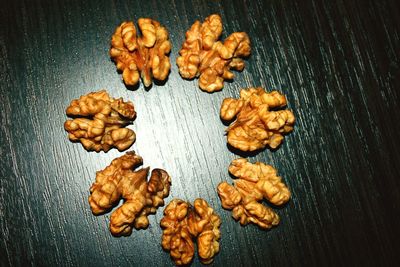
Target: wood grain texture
[(338, 62)]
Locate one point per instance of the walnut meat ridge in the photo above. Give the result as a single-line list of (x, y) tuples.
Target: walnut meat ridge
[(254, 182), (146, 56), (257, 123), (203, 55), (141, 197), (99, 122), (183, 222)]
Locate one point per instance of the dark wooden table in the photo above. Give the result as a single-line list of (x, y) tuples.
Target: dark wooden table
[(338, 62)]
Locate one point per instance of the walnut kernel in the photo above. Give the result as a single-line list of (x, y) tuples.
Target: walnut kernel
[(254, 182), (182, 223), (203, 56), (141, 197), (99, 122), (145, 56), (257, 122)]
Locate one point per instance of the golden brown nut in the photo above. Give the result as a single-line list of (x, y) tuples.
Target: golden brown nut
[(145, 56), (182, 223), (254, 182), (256, 124), (203, 55), (99, 122), (141, 197)]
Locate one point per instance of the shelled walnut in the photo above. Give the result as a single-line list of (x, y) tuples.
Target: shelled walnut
[(141, 197), (182, 223), (203, 55), (255, 182), (99, 122), (257, 123), (146, 55)]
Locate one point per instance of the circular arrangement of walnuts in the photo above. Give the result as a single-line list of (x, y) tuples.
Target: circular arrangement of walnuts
[(98, 122)]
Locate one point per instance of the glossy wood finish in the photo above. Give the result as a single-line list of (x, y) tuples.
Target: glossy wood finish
[(338, 62)]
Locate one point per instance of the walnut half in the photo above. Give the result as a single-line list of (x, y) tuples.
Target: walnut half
[(145, 56), (254, 182), (203, 56), (257, 123), (99, 122), (182, 223), (141, 197)]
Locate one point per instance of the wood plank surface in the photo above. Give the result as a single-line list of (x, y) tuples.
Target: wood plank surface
[(338, 63)]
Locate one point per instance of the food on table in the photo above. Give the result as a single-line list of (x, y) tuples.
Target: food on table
[(99, 122), (144, 56), (203, 56), (182, 223), (254, 182), (141, 197), (258, 122)]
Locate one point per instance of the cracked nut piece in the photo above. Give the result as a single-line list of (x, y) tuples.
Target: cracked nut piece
[(254, 182), (145, 56), (203, 56), (99, 122), (182, 223), (141, 197), (257, 123)]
